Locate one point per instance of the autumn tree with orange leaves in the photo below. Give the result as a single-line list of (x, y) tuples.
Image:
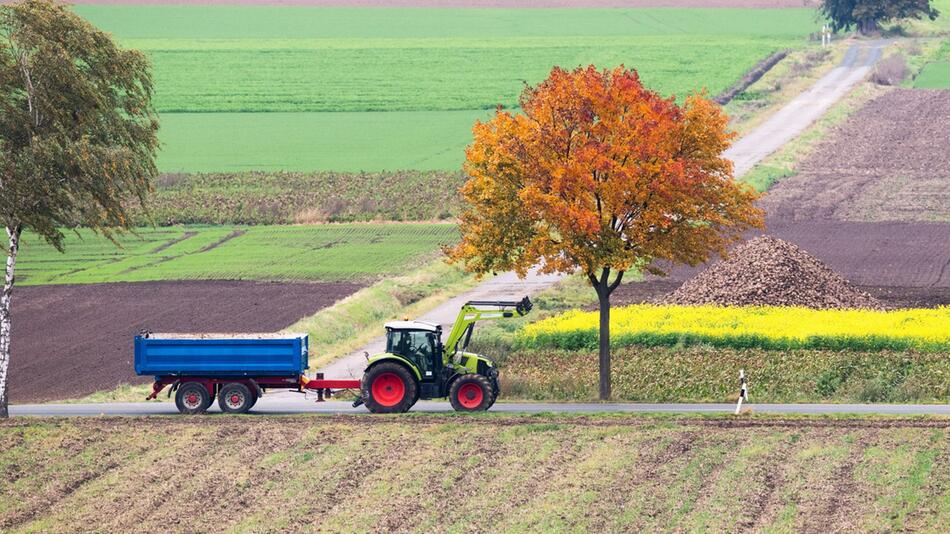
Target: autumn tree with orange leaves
[(601, 175)]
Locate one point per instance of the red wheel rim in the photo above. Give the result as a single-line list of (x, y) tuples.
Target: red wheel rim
[(470, 395), (388, 389), (192, 400)]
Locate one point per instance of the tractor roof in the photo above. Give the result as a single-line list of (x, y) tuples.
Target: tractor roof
[(413, 325)]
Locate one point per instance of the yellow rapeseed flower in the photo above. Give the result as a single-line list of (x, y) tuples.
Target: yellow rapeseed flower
[(778, 327)]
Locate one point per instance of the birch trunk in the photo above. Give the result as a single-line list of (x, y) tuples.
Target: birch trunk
[(5, 320)]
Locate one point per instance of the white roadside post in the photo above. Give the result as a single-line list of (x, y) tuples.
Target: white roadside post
[(743, 390)]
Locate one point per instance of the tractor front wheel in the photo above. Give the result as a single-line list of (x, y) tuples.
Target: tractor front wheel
[(389, 388), (471, 393)]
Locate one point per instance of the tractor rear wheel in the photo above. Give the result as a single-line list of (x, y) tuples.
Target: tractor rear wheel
[(235, 398), (471, 393), (192, 398), (389, 388)]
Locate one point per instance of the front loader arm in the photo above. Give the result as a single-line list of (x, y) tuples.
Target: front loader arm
[(480, 310)]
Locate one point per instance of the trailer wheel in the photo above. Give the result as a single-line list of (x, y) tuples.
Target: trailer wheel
[(235, 398), (471, 393), (192, 398), (389, 388)]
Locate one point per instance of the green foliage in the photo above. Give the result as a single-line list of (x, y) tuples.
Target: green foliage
[(77, 129), (866, 14), (317, 252), (319, 64), (708, 374), (275, 198)]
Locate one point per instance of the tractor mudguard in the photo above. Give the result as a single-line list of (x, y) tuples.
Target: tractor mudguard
[(388, 357)]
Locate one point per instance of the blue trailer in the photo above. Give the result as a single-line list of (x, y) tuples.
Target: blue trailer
[(235, 368), (238, 368)]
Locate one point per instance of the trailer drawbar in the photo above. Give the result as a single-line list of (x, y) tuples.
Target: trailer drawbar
[(238, 368)]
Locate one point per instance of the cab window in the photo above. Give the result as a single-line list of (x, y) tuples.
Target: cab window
[(418, 346)]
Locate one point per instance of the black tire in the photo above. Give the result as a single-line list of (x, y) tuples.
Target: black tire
[(416, 398), (192, 398), (394, 386), (235, 398), (471, 393), (496, 389), (254, 397)]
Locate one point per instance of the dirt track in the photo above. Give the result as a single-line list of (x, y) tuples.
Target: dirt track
[(70, 341)]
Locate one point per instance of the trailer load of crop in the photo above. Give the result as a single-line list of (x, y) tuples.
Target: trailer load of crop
[(238, 368)]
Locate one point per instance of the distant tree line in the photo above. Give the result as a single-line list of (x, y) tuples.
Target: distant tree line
[(867, 15)]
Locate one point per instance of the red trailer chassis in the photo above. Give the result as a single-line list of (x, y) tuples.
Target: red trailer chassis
[(323, 387)]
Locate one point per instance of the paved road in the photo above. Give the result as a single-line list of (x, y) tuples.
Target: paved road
[(296, 404), (790, 121)]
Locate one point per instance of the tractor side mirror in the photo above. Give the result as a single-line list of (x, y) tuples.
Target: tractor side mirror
[(524, 306)]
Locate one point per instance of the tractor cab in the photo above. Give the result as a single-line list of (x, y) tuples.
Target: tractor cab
[(419, 342)]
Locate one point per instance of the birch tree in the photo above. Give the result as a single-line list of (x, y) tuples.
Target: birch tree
[(77, 135)]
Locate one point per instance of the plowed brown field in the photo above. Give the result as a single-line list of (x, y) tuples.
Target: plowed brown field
[(474, 474), (873, 200), (888, 162), (70, 341)]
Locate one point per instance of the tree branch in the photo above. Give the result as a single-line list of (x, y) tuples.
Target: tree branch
[(616, 283)]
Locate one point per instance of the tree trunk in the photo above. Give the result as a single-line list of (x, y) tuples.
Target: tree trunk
[(867, 26), (5, 321), (604, 288), (604, 298)]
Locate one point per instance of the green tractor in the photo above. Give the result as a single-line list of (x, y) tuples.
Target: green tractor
[(417, 365)]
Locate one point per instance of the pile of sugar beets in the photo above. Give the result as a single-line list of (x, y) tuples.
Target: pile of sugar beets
[(767, 271)]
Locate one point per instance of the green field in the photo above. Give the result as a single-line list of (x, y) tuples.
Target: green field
[(315, 252), (447, 473), (936, 74), (344, 141), (426, 74)]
